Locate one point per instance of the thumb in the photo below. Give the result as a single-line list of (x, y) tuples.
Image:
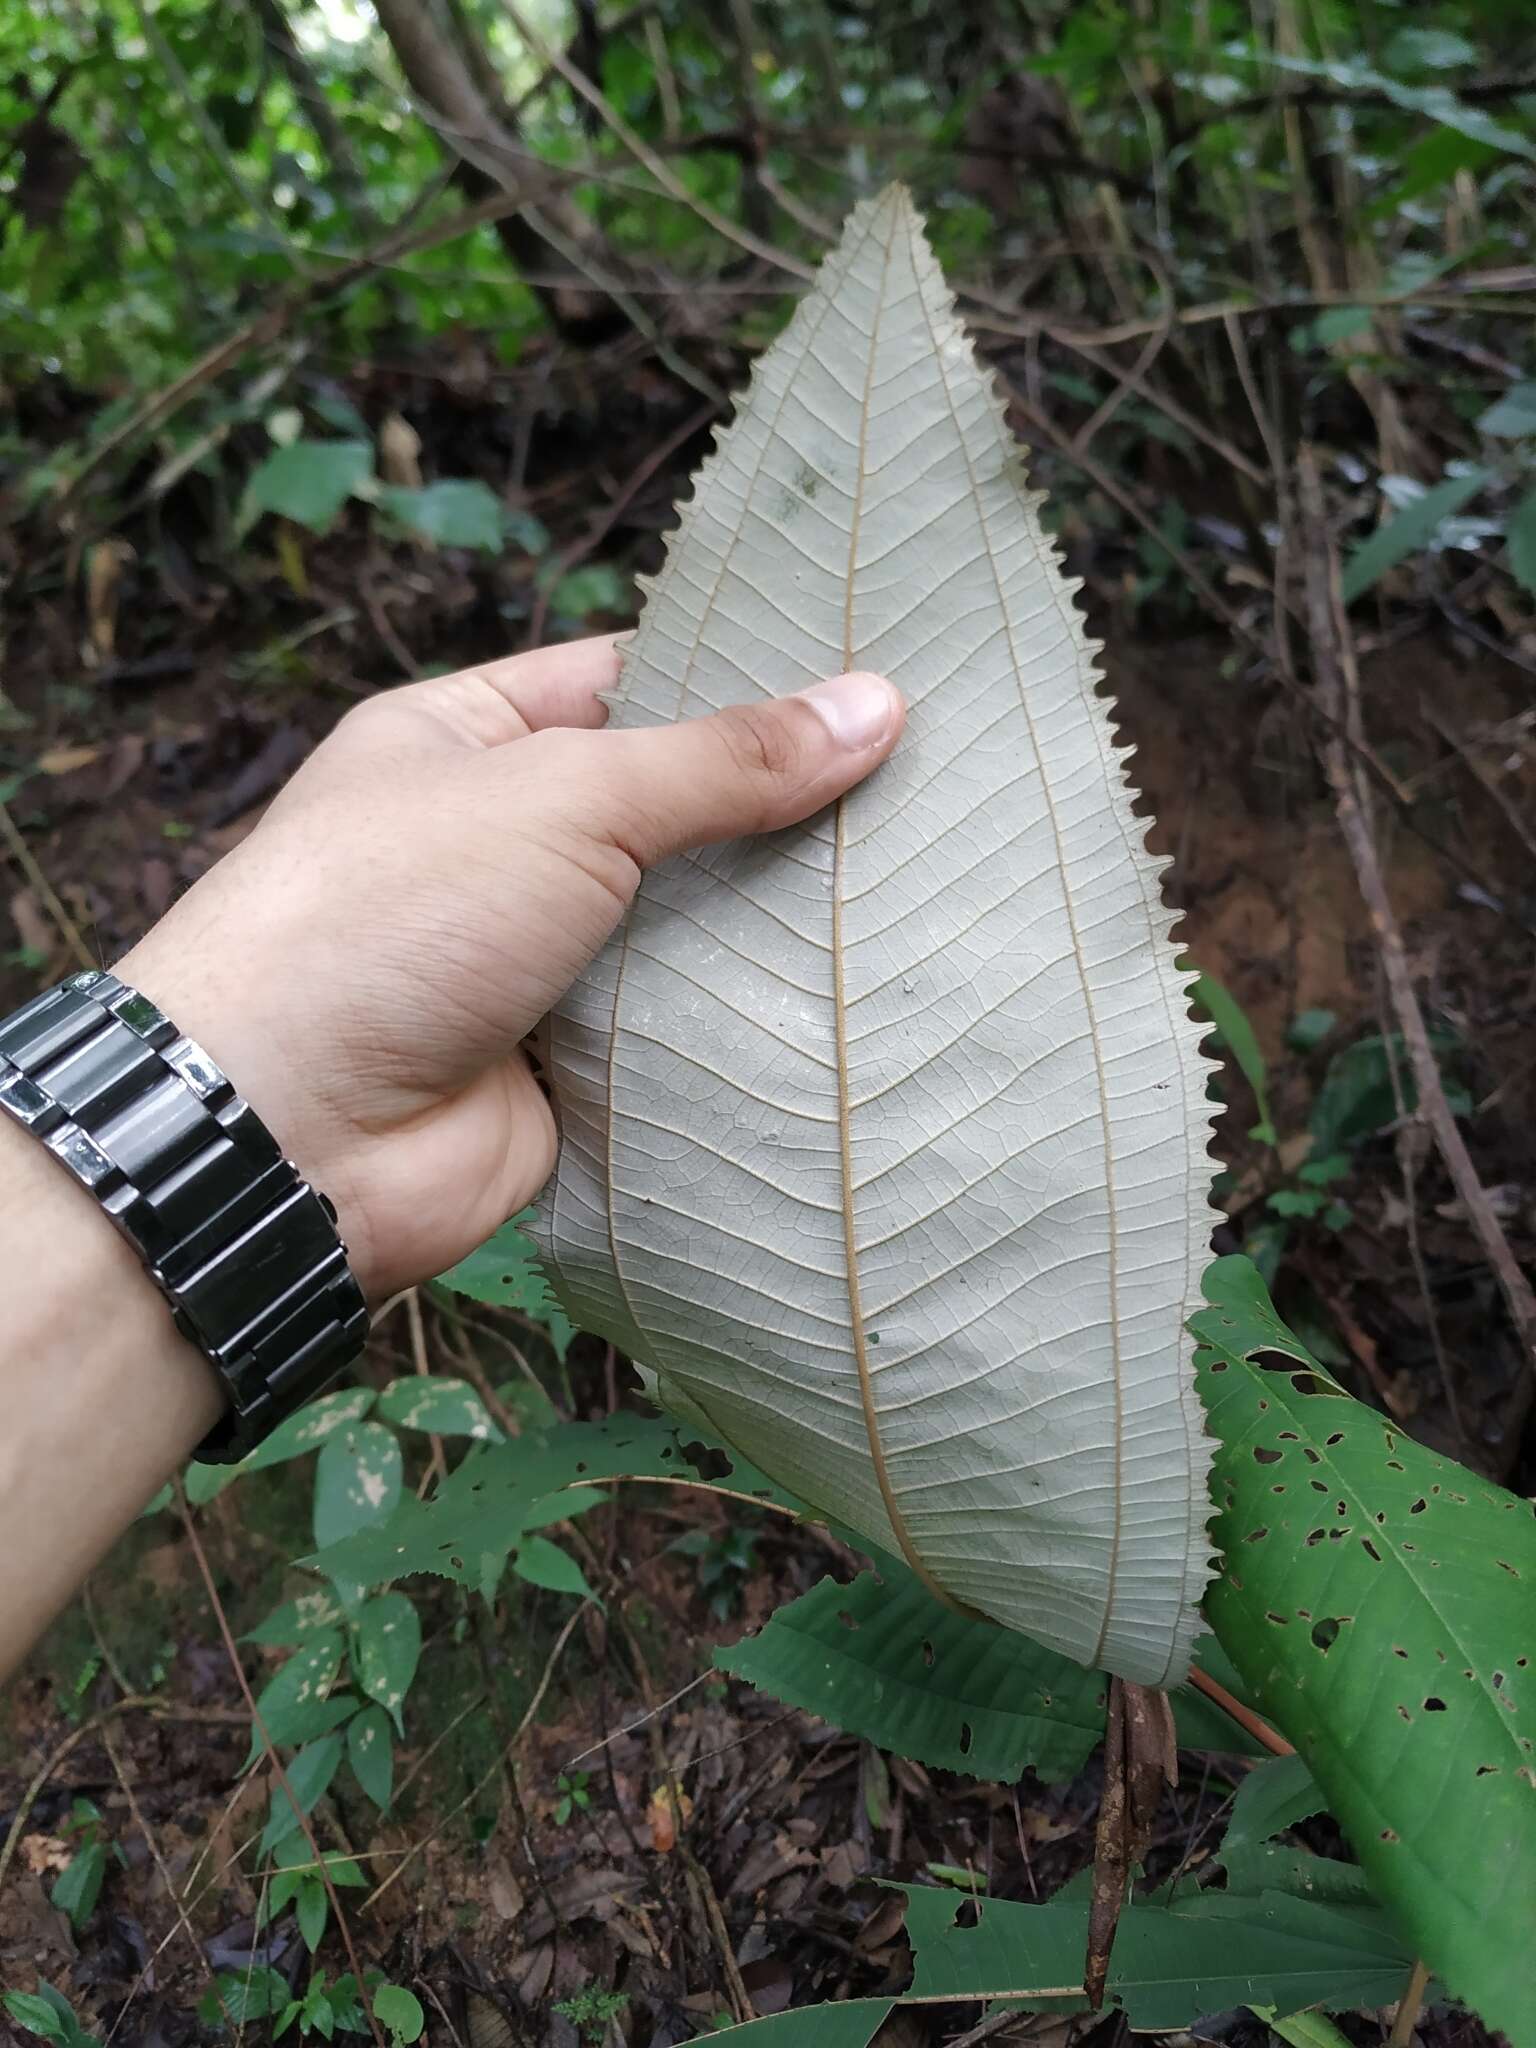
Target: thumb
[(753, 768)]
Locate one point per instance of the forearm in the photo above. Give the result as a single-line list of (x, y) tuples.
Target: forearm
[(100, 1399)]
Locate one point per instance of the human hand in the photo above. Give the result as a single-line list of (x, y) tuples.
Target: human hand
[(366, 964)]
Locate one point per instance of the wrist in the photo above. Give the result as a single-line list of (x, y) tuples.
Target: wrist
[(267, 1062)]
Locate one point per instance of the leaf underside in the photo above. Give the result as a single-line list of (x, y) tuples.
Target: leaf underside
[(885, 1139)]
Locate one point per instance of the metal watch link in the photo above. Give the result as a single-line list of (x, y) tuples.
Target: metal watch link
[(244, 1249)]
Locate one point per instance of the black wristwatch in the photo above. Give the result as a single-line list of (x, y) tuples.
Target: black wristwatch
[(246, 1252)]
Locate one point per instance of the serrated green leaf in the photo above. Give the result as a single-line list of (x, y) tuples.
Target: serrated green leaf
[(1270, 1799), (358, 1477), (1176, 1959), (1410, 531), (443, 1407), (505, 1272), (371, 1753), (476, 1514), (387, 1650), (883, 1659), (308, 481), (543, 1563), (455, 513), (1377, 1601), (309, 1775), (295, 1702)]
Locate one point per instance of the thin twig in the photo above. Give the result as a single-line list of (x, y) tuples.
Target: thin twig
[(1407, 2016), (479, 1786), (189, 1524), (24, 858), (1245, 1717), (1332, 654)]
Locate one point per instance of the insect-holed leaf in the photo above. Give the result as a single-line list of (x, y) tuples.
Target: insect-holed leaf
[(1376, 1600), (884, 1139)]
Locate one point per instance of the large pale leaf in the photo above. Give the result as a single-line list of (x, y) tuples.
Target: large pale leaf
[(884, 1140)]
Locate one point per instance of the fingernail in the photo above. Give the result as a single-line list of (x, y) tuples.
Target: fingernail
[(858, 710)]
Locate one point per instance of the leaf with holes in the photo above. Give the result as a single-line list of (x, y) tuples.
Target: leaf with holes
[(1377, 1600), (475, 1519), (885, 1660), (1177, 1957), (906, 1192)]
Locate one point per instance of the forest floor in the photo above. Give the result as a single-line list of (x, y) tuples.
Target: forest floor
[(154, 758)]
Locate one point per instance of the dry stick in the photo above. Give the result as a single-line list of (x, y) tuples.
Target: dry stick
[(437, 1464), (25, 859), (644, 155), (476, 1789), (201, 1556), (158, 1857), (1333, 662), (1408, 2007)]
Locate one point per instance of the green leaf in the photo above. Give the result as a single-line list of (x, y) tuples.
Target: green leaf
[(1376, 1599), (246, 1994), (297, 1619), (400, 2011), (309, 1427), (1410, 531), (1358, 1097), (477, 1513), (1177, 1958), (308, 481), (456, 513), (852, 2024), (1270, 1799), (1427, 49), (595, 589), (371, 1753), (34, 2013), (309, 1775), (358, 1477), (543, 1563), (78, 1885), (204, 1482), (1303, 2029), (388, 1649), (1309, 1028), (1238, 1036), (295, 1702), (1520, 541), (883, 1659), (443, 1407), (311, 1912), (1513, 417), (505, 1272)]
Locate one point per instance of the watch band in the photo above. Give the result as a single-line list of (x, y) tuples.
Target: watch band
[(244, 1249)]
